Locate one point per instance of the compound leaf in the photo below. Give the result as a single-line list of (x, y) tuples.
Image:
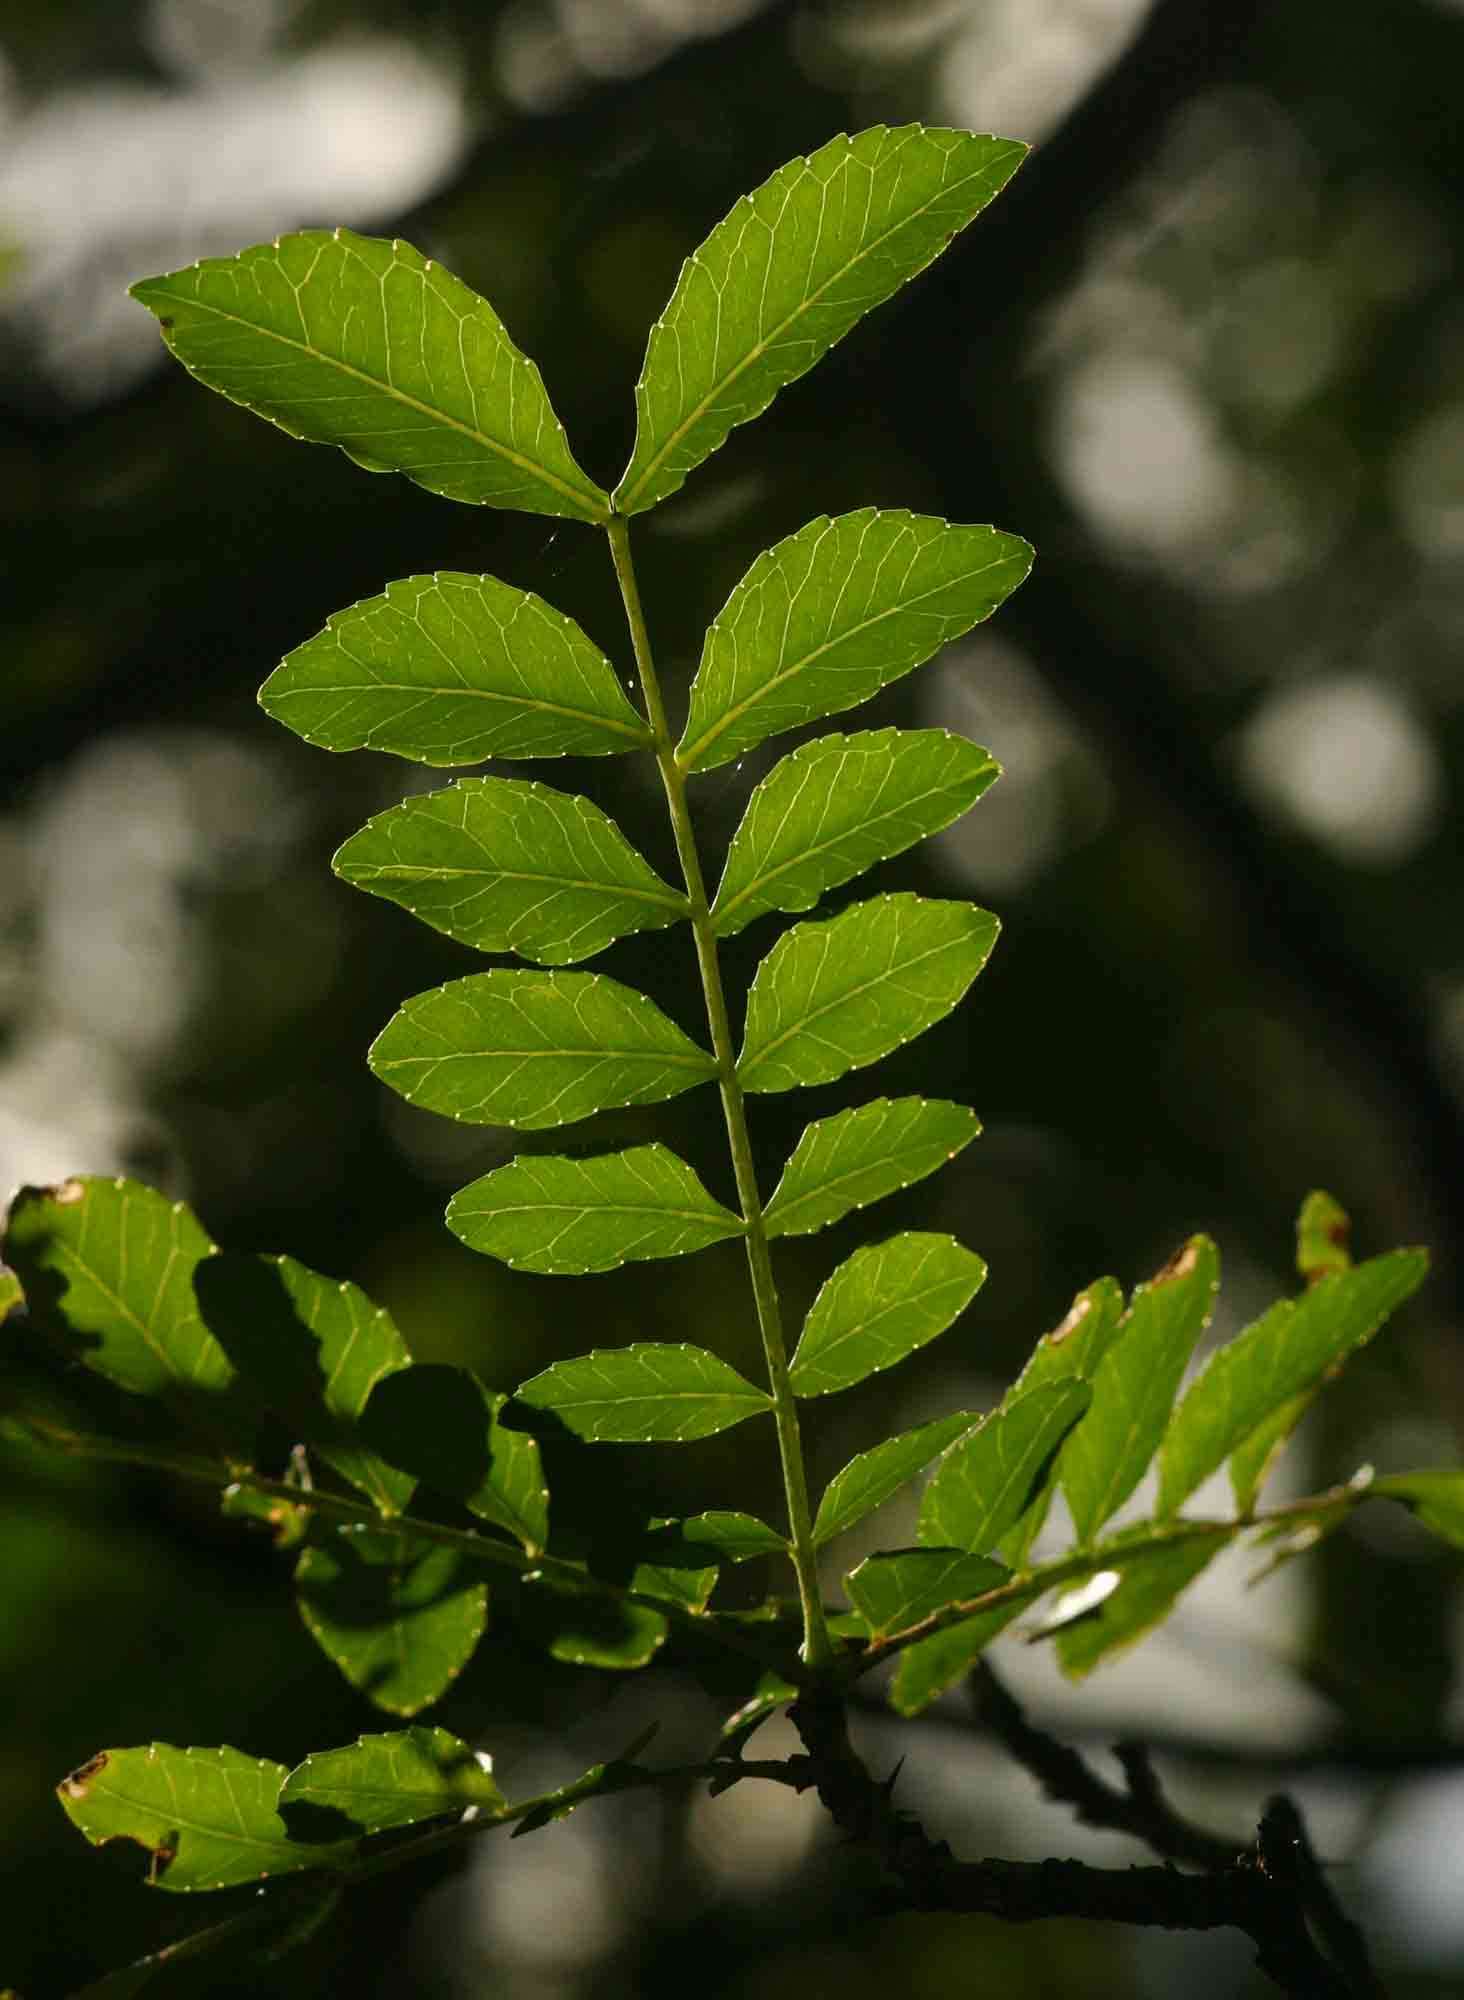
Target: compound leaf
[(1147, 1591), (440, 1424), (732, 1536), (859, 1156), (986, 1483), (534, 1049), (452, 669), (787, 273), (356, 342), (506, 866), (825, 619), (867, 1481), (648, 1393), (891, 1592), (397, 1780), (1135, 1386), (207, 1818), (400, 1621), (835, 807), (568, 1216), (883, 1303), (833, 996)]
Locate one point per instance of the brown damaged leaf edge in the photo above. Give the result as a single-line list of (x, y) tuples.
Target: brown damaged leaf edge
[(79, 1783), (1180, 1265), (68, 1193), (1077, 1312)]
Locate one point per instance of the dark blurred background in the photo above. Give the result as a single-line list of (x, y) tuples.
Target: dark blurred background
[(1206, 355)]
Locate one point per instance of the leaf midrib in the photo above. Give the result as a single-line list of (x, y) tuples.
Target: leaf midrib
[(413, 872), (635, 731)]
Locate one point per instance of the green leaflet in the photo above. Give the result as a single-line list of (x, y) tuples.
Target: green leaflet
[(588, 1631), (451, 669), (313, 1348), (986, 1483), (351, 341), (835, 807), (867, 1481), (859, 1156), (1251, 1462), (397, 1780), (1284, 1354), (1148, 1589), (825, 619), (442, 1426), (400, 1621), (1322, 1233), (892, 1592), (733, 1537), (11, 1294), (542, 1213), (883, 1303), (1072, 1351), (206, 1817), (930, 1666), (108, 1268), (833, 996), (506, 866), (787, 273), (1436, 1497), (1135, 1386), (648, 1393), (534, 1049)]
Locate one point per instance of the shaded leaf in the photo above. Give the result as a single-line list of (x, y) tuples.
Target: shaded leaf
[(616, 1775), (542, 1213), (11, 1294), (396, 1780), (506, 866), (859, 1156), (1135, 1386), (356, 342), (441, 1425), (1148, 1588), (986, 1483), (1435, 1497), (1322, 1235), (833, 996), (1072, 1351), (452, 669), (583, 1630), (930, 1666), (1251, 1462), (647, 1393), (291, 1913), (892, 1592), (867, 1481), (828, 617), (206, 1818), (787, 273), (400, 1621), (534, 1049), (732, 1536), (676, 1566), (883, 1303)]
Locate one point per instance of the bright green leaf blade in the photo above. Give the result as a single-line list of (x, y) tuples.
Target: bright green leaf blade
[(835, 807), (1135, 1386), (827, 618), (399, 1621), (930, 1666), (787, 273), (831, 997), (1251, 1462), (11, 1294), (986, 1483), (542, 1213), (648, 1393), (586, 1631), (892, 1592), (1072, 1351), (867, 1481), (1434, 1496), (883, 1303), (108, 1269), (1322, 1234), (732, 1536), (1147, 1592), (356, 342), (534, 1049), (1275, 1360), (384, 1781), (206, 1817), (313, 1348), (506, 866), (441, 1425), (452, 669), (859, 1156)]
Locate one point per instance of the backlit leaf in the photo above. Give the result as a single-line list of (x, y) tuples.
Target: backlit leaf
[(542, 1213), (442, 1426), (732, 1536), (400, 1621), (647, 1393), (452, 669), (787, 273), (930, 1666), (883, 1303), (1135, 1386), (676, 1566), (1435, 1497), (1251, 1462), (825, 619), (1282, 1355), (859, 1156), (833, 996), (534, 1049), (397, 1780), (207, 1818), (506, 866), (867, 1481), (891, 1592), (1148, 1589), (986, 1483), (356, 342), (1072, 1351)]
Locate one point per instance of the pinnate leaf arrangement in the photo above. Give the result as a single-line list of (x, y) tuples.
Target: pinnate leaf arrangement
[(414, 1493)]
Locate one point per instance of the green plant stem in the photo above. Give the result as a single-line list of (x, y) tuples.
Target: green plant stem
[(818, 1649)]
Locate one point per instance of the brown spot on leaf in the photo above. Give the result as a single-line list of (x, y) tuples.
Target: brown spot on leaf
[(1179, 1266), (79, 1783), (68, 1193), (1077, 1313)]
